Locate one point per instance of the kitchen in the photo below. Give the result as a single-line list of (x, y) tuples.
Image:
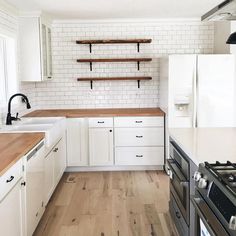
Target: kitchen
[(97, 139)]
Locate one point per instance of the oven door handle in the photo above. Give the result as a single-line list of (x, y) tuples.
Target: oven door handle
[(176, 171), (208, 217)]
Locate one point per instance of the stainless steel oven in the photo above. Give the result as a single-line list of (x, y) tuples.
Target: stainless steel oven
[(215, 199), (179, 179), (206, 222)]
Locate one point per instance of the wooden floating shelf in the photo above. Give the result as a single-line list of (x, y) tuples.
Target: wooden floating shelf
[(138, 60), (115, 60), (114, 41), (113, 79)]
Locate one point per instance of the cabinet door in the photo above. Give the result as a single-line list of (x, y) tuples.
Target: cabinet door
[(44, 51), (101, 146), (11, 211), (48, 176), (49, 53), (77, 142), (34, 177), (59, 160)]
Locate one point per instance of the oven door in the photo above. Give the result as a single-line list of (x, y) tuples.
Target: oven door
[(206, 222), (179, 187)]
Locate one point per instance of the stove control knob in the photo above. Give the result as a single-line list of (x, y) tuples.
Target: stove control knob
[(232, 223), (197, 176), (202, 183)]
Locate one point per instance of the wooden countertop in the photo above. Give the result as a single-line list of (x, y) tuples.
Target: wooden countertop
[(14, 146), (74, 113)]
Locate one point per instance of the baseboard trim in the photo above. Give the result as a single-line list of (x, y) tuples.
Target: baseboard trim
[(111, 168)]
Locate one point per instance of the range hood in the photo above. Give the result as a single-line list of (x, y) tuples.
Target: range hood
[(224, 11)]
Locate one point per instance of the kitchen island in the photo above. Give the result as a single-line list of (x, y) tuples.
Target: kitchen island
[(206, 144), (207, 155)]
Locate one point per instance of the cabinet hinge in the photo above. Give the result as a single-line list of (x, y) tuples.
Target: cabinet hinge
[(42, 204), (23, 168)]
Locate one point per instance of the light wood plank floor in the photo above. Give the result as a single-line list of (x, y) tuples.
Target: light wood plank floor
[(109, 204)]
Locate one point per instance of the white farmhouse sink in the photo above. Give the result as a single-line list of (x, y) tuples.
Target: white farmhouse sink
[(53, 127), (39, 120)]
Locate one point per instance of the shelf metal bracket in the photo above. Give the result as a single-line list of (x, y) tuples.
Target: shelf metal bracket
[(90, 48), (138, 46), (138, 64), (91, 66), (138, 83), (91, 84)]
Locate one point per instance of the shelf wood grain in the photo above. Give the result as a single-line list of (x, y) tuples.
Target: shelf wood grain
[(113, 78), (114, 60), (113, 41)]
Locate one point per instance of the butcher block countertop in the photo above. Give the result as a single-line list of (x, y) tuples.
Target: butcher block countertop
[(14, 146), (74, 113)]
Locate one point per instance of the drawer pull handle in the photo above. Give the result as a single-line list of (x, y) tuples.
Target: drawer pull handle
[(100, 122), (55, 150), (9, 180), (138, 121), (139, 136), (177, 215), (139, 155)]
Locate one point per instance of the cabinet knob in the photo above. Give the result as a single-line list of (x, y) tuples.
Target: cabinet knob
[(139, 136), (55, 150), (110, 130), (23, 183)]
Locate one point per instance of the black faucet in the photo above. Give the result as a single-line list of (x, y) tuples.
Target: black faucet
[(9, 117)]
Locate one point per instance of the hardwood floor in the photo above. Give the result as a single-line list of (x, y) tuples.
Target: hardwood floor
[(109, 204)]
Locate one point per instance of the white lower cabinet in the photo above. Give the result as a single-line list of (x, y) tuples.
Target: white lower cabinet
[(48, 176), (139, 156), (59, 159), (34, 180), (107, 141), (11, 212), (101, 145), (54, 167), (139, 141), (77, 142), (101, 150)]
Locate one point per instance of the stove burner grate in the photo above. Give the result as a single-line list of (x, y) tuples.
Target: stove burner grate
[(225, 173)]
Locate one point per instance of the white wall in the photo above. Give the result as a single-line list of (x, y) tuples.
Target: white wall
[(168, 38), (9, 22), (65, 92)]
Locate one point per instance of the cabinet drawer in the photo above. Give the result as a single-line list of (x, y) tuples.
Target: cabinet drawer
[(104, 122), (10, 178), (139, 121), (139, 156), (177, 217), (139, 137)]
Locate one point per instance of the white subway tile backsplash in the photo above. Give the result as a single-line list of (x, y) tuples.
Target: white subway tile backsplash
[(65, 92)]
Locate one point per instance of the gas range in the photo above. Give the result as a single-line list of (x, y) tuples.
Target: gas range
[(215, 198)]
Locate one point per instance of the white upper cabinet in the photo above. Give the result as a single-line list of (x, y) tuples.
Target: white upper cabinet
[(35, 48)]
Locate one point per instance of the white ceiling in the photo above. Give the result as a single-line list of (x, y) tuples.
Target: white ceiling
[(113, 9)]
